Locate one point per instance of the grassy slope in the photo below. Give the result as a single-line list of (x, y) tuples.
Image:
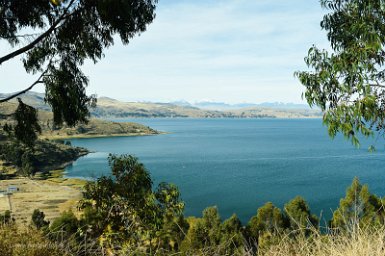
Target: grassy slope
[(52, 195), (107, 107), (95, 128)]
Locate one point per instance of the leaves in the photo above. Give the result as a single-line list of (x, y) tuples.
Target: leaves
[(124, 207), (65, 33), (26, 124), (348, 84), (359, 207)]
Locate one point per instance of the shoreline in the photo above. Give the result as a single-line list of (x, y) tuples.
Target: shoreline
[(227, 117), (85, 151), (64, 165), (91, 136)]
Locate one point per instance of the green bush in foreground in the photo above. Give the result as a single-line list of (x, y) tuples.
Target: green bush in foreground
[(122, 215)]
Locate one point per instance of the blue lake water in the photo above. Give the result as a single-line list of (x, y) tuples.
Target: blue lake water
[(240, 164)]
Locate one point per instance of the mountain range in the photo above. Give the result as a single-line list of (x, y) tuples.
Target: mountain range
[(221, 106), (112, 108)]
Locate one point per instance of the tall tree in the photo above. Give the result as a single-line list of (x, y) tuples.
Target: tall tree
[(359, 207), (348, 83), (299, 215), (123, 209), (54, 38), (268, 219), (265, 227)]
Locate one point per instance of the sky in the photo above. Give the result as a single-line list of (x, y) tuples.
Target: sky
[(232, 51)]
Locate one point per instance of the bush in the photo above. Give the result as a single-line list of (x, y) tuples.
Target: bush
[(64, 227), (38, 219)]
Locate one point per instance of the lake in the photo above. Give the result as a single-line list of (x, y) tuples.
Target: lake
[(240, 164)]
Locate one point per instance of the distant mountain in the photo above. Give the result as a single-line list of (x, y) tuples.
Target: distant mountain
[(94, 128), (282, 105), (220, 106), (181, 103), (31, 98), (112, 108)]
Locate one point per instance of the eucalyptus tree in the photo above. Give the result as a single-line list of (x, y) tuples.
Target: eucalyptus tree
[(348, 82), (53, 38), (124, 210)]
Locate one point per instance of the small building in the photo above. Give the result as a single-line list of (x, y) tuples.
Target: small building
[(12, 189)]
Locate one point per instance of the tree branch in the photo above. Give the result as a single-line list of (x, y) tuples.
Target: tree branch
[(23, 36), (38, 81), (377, 85), (38, 39)]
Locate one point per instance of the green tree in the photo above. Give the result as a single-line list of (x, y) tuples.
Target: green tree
[(64, 227), (268, 219), (174, 225), (27, 169), (123, 209), (359, 207), (299, 215), (348, 83), (63, 35), (264, 227), (205, 232), (27, 124), (6, 218), (38, 219), (232, 241), (212, 223)]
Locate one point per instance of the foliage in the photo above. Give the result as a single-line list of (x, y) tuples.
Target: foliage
[(232, 240), (6, 218), (174, 227), (64, 226), (64, 34), (208, 235), (268, 219), (358, 207), (38, 219), (120, 229), (27, 124), (123, 209), (348, 84), (207, 229), (299, 215), (264, 227), (43, 156)]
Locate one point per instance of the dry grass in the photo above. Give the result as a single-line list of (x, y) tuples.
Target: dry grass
[(27, 242), (359, 242), (50, 196)]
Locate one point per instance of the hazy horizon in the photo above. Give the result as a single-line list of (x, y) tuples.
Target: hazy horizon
[(221, 51)]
